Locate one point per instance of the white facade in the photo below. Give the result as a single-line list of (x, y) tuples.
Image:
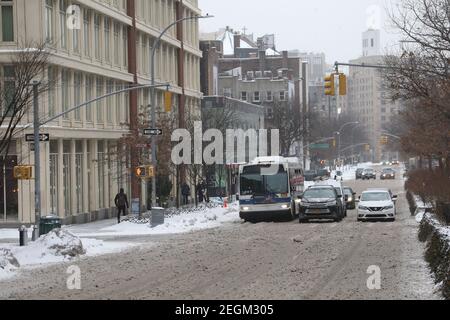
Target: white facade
[(79, 175)]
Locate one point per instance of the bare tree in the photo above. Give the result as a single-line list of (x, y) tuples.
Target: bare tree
[(27, 64)]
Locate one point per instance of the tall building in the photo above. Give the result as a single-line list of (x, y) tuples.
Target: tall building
[(367, 95), (109, 51)]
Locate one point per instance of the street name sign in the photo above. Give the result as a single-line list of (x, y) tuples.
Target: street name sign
[(43, 137)]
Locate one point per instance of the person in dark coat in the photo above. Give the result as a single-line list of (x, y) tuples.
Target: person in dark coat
[(185, 192), (200, 192), (121, 202)]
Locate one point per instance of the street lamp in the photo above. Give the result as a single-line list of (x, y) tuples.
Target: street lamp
[(152, 92), (339, 132)]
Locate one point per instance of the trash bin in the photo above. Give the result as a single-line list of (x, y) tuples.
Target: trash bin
[(48, 224), (23, 236), (157, 216)]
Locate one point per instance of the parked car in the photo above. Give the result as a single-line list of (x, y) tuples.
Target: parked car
[(387, 173), (358, 173), (369, 174), (378, 204), (351, 198), (320, 202)]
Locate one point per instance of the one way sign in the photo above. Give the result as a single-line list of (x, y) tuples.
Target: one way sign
[(42, 137), (153, 132)]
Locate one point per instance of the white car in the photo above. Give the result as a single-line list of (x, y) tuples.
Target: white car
[(377, 204)]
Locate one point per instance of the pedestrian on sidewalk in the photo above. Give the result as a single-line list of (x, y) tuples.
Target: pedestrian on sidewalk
[(121, 202), (200, 192), (185, 192)]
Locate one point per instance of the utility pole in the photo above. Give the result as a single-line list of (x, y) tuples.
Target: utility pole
[(37, 162)]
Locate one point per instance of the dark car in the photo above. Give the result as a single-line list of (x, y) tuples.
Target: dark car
[(323, 173), (310, 175), (369, 174), (321, 202), (351, 198), (387, 173), (358, 173)]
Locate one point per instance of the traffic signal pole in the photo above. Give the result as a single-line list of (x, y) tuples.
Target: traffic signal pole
[(37, 162)]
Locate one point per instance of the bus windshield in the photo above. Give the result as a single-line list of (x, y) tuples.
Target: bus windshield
[(253, 183)]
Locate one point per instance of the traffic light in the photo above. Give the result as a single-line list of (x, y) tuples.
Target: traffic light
[(23, 172), (330, 88), (367, 147), (144, 172), (342, 84), (334, 143), (384, 140), (168, 101)]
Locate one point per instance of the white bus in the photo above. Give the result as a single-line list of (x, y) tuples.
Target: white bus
[(273, 195)]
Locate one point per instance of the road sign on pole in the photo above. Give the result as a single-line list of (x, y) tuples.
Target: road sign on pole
[(153, 132), (43, 137)]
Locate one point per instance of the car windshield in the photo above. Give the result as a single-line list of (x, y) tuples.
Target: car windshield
[(348, 191), (375, 196), (319, 193), (388, 171), (368, 170)]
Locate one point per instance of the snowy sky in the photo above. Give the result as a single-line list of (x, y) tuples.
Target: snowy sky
[(330, 26)]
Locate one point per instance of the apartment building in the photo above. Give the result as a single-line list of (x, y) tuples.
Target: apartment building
[(109, 50), (367, 97)]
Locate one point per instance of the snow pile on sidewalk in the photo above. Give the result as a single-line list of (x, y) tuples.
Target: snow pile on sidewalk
[(8, 263), (57, 246), (185, 221)]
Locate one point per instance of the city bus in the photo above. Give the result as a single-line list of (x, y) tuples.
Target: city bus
[(265, 193)]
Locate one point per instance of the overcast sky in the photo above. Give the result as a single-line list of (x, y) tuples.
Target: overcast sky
[(330, 26)]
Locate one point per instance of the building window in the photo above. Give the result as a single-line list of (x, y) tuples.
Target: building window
[(77, 94), (49, 21), (118, 104), (269, 96), (51, 91), (89, 84), (282, 96), (79, 176), (53, 177), (227, 92), (63, 23), (101, 173), (65, 92), (125, 45), (97, 36), (116, 43), (8, 85), (67, 183), (87, 33), (99, 93), (7, 23), (244, 96), (109, 101), (256, 96), (107, 39)]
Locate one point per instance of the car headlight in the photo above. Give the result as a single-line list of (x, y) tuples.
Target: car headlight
[(284, 206), (363, 208), (331, 203), (298, 201), (388, 207), (245, 208), (350, 199)]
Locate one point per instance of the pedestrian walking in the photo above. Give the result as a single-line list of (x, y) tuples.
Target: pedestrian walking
[(121, 202), (200, 192), (185, 192)]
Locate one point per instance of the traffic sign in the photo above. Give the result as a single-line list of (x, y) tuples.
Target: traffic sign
[(43, 137), (322, 146), (153, 132)]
